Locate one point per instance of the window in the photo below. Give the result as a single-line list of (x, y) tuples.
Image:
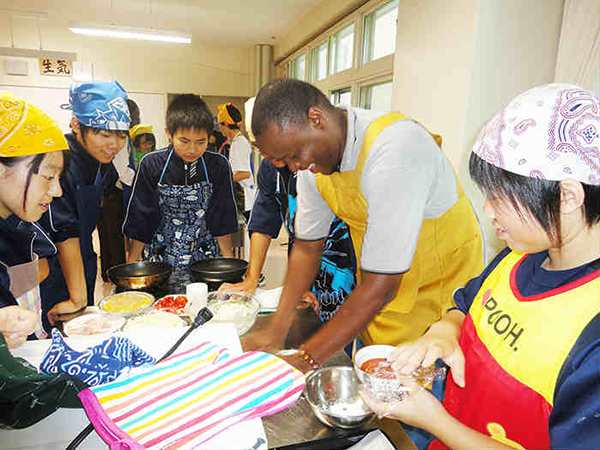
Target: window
[(377, 97), (341, 46), (318, 62), (379, 37), (341, 97), (299, 68)]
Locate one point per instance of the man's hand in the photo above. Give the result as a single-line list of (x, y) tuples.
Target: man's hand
[(297, 361), (16, 323), (264, 340)]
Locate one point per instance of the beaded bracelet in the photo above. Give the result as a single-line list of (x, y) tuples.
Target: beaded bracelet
[(309, 359)]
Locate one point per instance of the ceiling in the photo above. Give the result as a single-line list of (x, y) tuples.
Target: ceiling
[(235, 23)]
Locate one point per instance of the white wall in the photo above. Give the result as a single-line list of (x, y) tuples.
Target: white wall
[(139, 66), (515, 50), (147, 70), (458, 62), (152, 106)]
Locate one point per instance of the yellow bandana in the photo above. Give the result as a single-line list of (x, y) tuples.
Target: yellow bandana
[(224, 115), (140, 129), (26, 129)]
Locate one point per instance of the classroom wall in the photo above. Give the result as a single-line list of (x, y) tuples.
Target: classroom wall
[(146, 70), (457, 63), (140, 66)]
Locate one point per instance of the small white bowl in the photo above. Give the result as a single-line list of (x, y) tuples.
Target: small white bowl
[(383, 389)]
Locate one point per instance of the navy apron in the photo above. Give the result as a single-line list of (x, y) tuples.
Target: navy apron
[(182, 236), (54, 289)]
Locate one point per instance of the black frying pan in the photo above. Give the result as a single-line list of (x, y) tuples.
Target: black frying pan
[(219, 270), (139, 275)]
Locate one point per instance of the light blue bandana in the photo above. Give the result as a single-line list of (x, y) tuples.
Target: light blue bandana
[(99, 104)]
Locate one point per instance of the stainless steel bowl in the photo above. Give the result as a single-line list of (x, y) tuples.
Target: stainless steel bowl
[(332, 393)]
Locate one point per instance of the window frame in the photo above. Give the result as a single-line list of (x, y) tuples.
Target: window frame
[(359, 74), (367, 13)]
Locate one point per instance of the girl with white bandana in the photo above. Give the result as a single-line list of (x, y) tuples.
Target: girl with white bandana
[(523, 342)]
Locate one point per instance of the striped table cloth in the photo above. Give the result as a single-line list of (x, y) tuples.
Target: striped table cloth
[(190, 397)]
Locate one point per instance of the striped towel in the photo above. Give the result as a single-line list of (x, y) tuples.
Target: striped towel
[(190, 397)]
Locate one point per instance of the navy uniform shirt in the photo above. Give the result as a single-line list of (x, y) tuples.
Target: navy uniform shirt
[(143, 216), (62, 219), (18, 242), (272, 199)]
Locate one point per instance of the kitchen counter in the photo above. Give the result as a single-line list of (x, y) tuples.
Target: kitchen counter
[(293, 425), (298, 423)]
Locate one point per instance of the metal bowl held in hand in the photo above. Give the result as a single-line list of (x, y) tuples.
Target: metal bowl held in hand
[(215, 271), (139, 275), (332, 393)]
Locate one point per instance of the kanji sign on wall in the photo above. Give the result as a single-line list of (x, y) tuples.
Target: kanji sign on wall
[(55, 67)]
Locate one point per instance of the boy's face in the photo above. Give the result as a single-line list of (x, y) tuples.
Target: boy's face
[(522, 234), (189, 144), (104, 145), (145, 144)]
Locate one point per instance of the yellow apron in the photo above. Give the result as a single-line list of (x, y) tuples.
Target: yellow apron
[(449, 251)]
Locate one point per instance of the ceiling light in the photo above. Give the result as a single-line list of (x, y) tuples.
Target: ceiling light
[(144, 34)]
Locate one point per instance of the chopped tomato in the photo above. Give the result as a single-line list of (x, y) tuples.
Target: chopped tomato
[(172, 303)]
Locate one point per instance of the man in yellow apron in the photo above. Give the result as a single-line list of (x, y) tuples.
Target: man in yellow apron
[(414, 232)]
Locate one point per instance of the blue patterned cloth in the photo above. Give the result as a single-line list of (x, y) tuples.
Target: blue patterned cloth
[(96, 365), (99, 104)]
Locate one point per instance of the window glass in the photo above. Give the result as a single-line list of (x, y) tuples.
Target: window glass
[(299, 67), (341, 46), (341, 97), (318, 62), (377, 97), (380, 27)]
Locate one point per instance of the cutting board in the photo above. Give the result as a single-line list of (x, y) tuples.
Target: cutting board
[(57, 430)]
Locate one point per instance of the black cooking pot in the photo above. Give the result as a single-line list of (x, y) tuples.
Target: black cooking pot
[(216, 271), (139, 275)]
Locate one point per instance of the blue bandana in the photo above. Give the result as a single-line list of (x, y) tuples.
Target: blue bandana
[(95, 365), (99, 104)]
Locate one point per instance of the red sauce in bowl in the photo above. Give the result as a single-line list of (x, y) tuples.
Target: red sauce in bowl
[(378, 367)]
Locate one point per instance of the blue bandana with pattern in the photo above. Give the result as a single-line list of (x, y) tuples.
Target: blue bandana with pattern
[(94, 365), (99, 104)]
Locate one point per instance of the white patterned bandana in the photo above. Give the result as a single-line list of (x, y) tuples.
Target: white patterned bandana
[(549, 132), (99, 104)]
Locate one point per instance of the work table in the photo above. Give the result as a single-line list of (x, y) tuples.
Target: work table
[(298, 423)]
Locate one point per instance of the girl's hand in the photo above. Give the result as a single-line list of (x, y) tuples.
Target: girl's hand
[(419, 407), (440, 341), (247, 285), (16, 323)]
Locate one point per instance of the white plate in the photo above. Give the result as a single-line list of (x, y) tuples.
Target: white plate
[(95, 323), (154, 320)]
